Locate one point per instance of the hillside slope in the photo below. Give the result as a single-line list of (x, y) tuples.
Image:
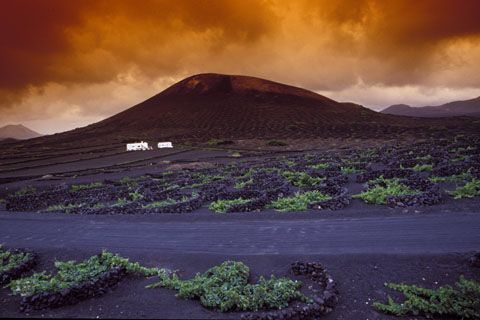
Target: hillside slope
[(222, 106)]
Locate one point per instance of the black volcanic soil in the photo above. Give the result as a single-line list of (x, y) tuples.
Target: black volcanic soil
[(360, 276), (360, 282)]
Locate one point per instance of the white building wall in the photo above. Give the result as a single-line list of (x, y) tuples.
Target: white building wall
[(166, 144), (137, 146)]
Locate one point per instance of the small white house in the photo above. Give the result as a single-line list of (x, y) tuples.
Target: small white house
[(138, 146), (167, 144)]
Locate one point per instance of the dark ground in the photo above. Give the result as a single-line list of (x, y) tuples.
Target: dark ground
[(360, 281), (363, 246), (247, 234)]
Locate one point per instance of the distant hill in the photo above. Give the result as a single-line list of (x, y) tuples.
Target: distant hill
[(451, 109), (19, 132)]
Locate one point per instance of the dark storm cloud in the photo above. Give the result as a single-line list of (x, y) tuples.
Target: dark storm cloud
[(48, 47)]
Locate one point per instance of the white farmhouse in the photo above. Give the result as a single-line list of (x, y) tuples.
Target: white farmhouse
[(138, 146), (167, 144)]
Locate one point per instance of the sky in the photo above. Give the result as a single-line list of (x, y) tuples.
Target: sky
[(66, 64)]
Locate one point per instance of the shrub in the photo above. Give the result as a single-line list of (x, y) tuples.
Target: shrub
[(368, 153), (458, 159), (135, 196), (222, 206), (131, 182), (168, 202), (78, 187), (462, 302), (422, 167), (71, 273), (120, 202), (320, 166), (349, 170), (99, 206), (290, 163), (302, 179), (218, 142), (299, 202), (469, 190), (12, 259), (453, 178), (242, 184), (225, 287), (26, 190), (384, 188), (203, 179), (276, 143), (425, 158), (65, 207)]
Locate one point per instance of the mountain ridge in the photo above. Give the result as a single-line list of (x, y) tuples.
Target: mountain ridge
[(18, 132), (212, 105), (234, 107), (469, 107)]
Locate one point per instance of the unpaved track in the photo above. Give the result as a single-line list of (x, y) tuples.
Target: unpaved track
[(444, 233)]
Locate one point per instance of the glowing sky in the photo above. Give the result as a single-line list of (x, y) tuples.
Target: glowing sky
[(65, 64)]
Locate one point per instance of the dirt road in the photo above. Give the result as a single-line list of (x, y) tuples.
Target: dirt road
[(444, 233)]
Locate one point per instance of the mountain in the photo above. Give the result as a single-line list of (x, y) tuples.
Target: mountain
[(232, 107), (456, 108), (208, 106), (18, 131)]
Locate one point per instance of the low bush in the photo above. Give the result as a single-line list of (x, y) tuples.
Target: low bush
[(459, 159), (422, 167), (276, 143), (131, 181), (78, 187), (290, 163), (299, 202), (302, 179), (136, 195), (453, 178), (424, 158), (10, 260), (65, 207), (462, 302), (168, 202), (320, 166), (71, 273), (26, 190), (226, 288), (120, 202), (349, 170), (203, 179), (222, 206), (469, 190), (243, 184), (384, 188), (219, 142)]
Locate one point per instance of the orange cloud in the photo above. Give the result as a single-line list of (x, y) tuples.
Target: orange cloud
[(321, 45)]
